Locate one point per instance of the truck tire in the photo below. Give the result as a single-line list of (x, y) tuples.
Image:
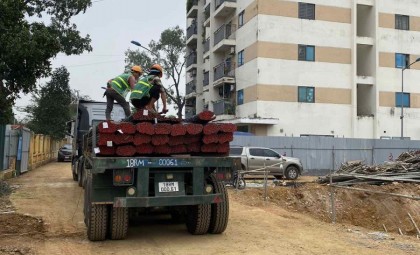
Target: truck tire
[(292, 173), (118, 223), (80, 169), (73, 170), (96, 217), (198, 219), (219, 211)]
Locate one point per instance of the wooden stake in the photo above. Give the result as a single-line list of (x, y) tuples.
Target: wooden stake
[(383, 225), (414, 223)]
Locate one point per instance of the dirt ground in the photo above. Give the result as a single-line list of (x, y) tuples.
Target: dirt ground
[(43, 215)]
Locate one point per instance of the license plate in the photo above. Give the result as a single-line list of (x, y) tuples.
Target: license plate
[(67, 157), (168, 186)]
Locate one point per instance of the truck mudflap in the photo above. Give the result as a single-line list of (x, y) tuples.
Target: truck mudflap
[(167, 201)]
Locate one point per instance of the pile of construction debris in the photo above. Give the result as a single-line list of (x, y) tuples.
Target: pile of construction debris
[(406, 168), (147, 134)]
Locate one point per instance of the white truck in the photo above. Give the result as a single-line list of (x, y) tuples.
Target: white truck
[(253, 159)]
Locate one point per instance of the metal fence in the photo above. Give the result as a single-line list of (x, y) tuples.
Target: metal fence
[(24, 150), (319, 154)]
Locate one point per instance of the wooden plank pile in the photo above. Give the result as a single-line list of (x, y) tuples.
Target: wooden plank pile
[(406, 168), (147, 134)]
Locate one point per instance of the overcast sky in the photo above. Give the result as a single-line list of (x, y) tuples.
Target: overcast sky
[(112, 24)]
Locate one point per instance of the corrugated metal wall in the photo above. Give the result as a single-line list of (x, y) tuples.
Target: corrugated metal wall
[(2, 146), (319, 155)]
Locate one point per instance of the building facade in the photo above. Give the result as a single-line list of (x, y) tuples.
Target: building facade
[(319, 67)]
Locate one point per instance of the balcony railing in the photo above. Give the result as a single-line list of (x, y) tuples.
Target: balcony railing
[(223, 107), (206, 79), (207, 12), (192, 30), (220, 2), (224, 69), (190, 112), (226, 31), (206, 45), (192, 59), (190, 87)]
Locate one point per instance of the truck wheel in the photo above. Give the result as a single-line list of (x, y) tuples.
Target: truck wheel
[(118, 224), (198, 219), (73, 171), (80, 169), (219, 211), (96, 218), (292, 173)]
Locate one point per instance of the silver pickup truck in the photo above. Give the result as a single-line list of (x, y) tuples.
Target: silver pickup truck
[(254, 158)]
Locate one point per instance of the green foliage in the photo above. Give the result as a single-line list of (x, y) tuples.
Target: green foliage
[(28, 45), (169, 52), (6, 112), (51, 106)]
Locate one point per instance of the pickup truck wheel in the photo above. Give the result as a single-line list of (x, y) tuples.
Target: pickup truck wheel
[(118, 224), (198, 219), (292, 173), (96, 217), (219, 211), (241, 182)]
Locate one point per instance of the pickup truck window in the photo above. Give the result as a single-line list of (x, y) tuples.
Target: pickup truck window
[(257, 152), (235, 151), (270, 153)]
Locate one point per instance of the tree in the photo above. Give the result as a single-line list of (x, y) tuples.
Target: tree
[(6, 112), (27, 47), (169, 53), (51, 108)]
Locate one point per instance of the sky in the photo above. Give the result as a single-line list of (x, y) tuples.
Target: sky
[(112, 24)]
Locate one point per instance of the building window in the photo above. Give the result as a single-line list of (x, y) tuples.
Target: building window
[(306, 11), (240, 99), (241, 19), (306, 94), (401, 60), (402, 22), (241, 58), (306, 53), (405, 99)]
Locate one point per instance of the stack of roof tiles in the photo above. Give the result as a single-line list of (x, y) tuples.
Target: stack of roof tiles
[(146, 135)]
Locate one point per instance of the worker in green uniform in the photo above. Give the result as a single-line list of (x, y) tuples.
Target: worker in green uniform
[(148, 90), (118, 88)]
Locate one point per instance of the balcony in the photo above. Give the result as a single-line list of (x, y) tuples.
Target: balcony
[(192, 34), (224, 73), (224, 107), (224, 38), (207, 16), (189, 112), (206, 45), (224, 8), (191, 61), (206, 79), (192, 8), (190, 87)]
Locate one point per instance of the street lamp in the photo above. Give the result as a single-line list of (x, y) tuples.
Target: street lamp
[(139, 44), (402, 97)]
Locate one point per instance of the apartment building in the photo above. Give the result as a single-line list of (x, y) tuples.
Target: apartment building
[(318, 67)]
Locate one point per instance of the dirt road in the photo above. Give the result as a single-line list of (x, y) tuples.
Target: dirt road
[(49, 220)]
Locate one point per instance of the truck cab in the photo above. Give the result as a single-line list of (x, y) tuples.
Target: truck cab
[(87, 111)]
